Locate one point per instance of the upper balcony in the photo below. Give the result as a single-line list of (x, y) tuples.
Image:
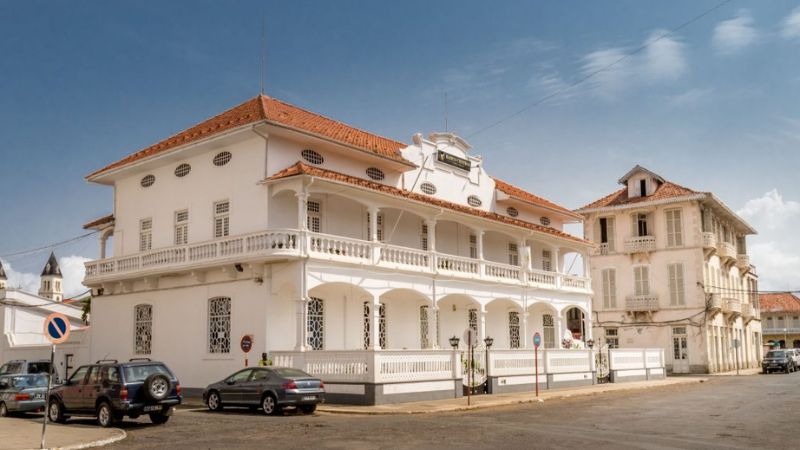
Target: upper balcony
[(709, 240), (282, 244), (743, 262), (640, 244), (748, 312), (732, 306), (726, 251), (641, 303)]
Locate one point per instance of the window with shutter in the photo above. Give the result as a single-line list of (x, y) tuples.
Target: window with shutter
[(380, 226), (314, 216), (423, 236), (145, 234), (674, 228), (513, 254), (181, 227), (609, 288), (606, 226), (547, 263), (473, 246), (641, 276), (222, 219)]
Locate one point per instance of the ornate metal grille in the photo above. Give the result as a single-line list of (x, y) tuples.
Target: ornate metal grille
[(366, 325), (316, 324), (222, 158), (182, 170), (513, 329), (438, 327), (375, 173), (427, 188), (147, 181), (219, 325), (382, 323), (143, 329), (549, 331), (474, 201), (424, 342), (473, 319), (312, 156)]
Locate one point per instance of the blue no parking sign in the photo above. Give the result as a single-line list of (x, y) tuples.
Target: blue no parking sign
[(56, 328), (537, 340)]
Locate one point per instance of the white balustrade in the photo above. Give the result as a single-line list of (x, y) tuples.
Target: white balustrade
[(569, 361), (640, 244), (641, 303), (504, 271), (456, 264), (574, 282), (413, 365), (405, 256), (709, 239), (514, 362), (542, 278), (330, 366), (340, 247)]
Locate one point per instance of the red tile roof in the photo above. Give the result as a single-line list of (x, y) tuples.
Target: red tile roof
[(303, 169), (276, 112), (779, 302), (664, 191), (524, 195), (97, 222)]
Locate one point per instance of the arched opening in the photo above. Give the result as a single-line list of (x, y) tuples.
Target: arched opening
[(457, 312), (575, 320), (504, 323), (405, 320), (544, 319), (335, 317)]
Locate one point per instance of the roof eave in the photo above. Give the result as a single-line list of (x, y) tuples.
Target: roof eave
[(638, 205)]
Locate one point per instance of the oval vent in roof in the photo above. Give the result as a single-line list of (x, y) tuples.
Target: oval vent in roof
[(544, 221), (427, 188), (474, 200), (148, 180), (222, 158), (512, 211), (375, 173), (312, 156), (182, 170)]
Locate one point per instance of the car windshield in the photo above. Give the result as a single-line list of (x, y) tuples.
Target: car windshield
[(288, 372), (12, 367), (776, 354), (30, 381), (138, 373)]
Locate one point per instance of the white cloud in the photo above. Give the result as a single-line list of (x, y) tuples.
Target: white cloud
[(608, 81), (692, 97), (734, 35), (775, 251), (790, 28), (72, 268), (664, 59)]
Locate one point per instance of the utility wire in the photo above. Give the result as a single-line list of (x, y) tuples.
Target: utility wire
[(600, 70), (49, 246)]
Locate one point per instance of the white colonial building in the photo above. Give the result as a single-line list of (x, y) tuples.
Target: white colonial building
[(353, 256), (671, 270)]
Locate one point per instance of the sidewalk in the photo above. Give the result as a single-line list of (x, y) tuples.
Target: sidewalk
[(489, 401), (752, 371), (26, 433)]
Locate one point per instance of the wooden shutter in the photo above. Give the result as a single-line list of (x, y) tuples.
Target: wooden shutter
[(610, 233), (676, 285), (609, 288)]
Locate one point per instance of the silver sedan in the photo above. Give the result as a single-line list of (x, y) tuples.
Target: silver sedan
[(22, 393)]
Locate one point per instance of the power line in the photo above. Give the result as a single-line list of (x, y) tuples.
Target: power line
[(48, 247), (600, 70)]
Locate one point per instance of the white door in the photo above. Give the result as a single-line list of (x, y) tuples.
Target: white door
[(680, 352)]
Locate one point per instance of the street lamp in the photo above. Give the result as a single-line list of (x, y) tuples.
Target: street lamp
[(488, 341), (590, 343), (454, 342), (785, 339)]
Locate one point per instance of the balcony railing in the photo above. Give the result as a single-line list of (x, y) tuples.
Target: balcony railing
[(747, 311), (726, 250), (280, 244), (709, 240), (640, 303), (640, 244), (781, 331), (603, 249), (731, 306), (716, 302), (743, 262)]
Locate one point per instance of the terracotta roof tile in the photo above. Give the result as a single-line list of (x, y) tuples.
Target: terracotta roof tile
[(522, 194), (97, 222), (779, 302), (303, 169), (665, 190), (277, 112)]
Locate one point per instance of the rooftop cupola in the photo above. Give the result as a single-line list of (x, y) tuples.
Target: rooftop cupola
[(641, 182)]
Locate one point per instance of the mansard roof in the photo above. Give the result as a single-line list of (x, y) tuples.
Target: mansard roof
[(51, 268), (276, 112), (300, 168)]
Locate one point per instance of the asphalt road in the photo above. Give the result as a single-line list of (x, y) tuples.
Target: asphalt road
[(759, 411)]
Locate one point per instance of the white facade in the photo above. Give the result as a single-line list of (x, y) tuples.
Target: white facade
[(671, 270), (313, 252)]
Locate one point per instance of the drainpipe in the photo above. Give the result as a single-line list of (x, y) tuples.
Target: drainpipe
[(266, 150)]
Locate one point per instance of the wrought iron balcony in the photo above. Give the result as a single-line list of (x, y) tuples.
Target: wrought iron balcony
[(641, 303), (640, 244)]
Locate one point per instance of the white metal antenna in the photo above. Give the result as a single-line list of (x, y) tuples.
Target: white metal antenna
[(263, 53), (445, 111)]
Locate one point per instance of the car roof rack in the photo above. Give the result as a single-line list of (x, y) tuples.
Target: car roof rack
[(101, 361), (139, 359)]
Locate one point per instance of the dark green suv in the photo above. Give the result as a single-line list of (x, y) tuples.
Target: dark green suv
[(109, 391)]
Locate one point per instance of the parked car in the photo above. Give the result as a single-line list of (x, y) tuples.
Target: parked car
[(23, 366), (782, 360), (22, 393), (270, 388), (794, 354), (109, 391)]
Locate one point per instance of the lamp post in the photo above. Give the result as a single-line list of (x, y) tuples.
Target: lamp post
[(785, 338), (454, 342), (590, 343), (488, 341)]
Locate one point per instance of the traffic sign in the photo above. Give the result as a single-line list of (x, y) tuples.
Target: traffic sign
[(56, 328), (471, 337), (537, 339), (246, 343)]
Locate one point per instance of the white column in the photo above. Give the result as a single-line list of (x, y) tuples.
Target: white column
[(433, 326), (302, 210), (301, 309), (374, 324), (479, 245), (481, 323), (373, 223), (524, 337)]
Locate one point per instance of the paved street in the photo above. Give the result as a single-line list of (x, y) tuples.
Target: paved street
[(726, 412)]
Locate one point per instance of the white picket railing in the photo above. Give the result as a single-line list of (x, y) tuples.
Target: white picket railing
[(352, 366), (410, 365), (514, 362), (569, 361)]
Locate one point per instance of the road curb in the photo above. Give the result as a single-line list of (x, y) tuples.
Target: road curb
[(121, 434), (553, 396)]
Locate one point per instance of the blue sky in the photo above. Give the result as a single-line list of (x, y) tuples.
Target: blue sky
[(712, 107)]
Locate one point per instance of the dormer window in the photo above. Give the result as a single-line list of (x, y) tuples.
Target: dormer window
[(643, 188)]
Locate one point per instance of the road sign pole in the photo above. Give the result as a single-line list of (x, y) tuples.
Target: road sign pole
[(469, 368), (536, 364), (47, 397)]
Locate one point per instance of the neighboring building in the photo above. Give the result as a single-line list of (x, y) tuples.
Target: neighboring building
[(329, 243), (22, 317), (671, 270), (780, 317)]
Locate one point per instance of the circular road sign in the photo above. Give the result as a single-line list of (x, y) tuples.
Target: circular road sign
[(471, 337), (537, 339), (246, 343), (56, 328)]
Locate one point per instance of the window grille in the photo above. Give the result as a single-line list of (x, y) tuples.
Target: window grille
[(382, 332), (145, 235), (219, 325), (366, 325), (314, 216), (428, 188), (473, 319), (222, 220), (182, 170), (375, 173), (544, 221), (511, 211), (147, 181), (316, 324), (549, 329), (181, 227), (424, 341), (312, 156), (513, 329), (474, 201), (222, 158), (143, 329), (423, 236)]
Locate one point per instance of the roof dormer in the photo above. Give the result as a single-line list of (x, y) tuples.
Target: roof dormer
[(641, 182)]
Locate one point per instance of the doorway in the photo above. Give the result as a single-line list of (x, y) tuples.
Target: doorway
[(680, 352)]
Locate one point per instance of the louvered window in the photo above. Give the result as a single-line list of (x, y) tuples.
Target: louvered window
[(423, 236), (547, 260), (222, 219), (181, 227), (314, 216), (607, 232), (513, 254), (473, 246), (609, 288), (674, 228), (549, 331), (380, 221), (640, 225), (641, 277), (145, 235), (676, 285)]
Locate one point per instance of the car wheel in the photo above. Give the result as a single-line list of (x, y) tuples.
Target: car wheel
[(159, 418), (270, 405), (308, 409), (3, 410), (214, 401), (105, 415), (55, 412)]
